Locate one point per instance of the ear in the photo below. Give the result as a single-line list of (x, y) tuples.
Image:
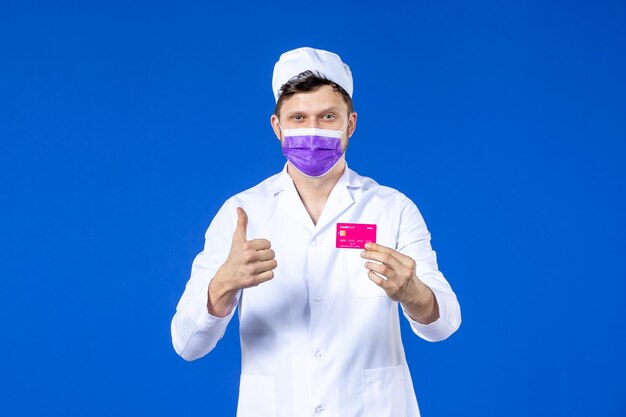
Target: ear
[(275, 126), (352, 123)]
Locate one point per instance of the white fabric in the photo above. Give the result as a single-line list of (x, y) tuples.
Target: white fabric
[(312, 131), (319, 337), (297, 61)]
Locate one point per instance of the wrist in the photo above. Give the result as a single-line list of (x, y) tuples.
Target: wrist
[(219, 286), (220, 297), (423, 306)]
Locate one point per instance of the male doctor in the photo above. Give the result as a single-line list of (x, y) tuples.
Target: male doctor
[(318, 306)]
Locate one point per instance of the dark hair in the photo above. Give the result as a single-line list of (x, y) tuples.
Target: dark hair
[(308, 81)]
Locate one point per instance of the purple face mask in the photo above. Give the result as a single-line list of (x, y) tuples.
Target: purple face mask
[(312, 151)]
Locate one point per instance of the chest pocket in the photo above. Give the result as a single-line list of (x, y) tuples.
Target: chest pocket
[(360, 284)]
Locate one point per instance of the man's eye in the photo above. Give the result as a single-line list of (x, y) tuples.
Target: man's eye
[(296, 117), (329, 116)]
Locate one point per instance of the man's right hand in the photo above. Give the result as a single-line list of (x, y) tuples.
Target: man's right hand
[(249, 263)]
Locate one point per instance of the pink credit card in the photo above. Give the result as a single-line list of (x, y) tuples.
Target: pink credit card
[(355, 235)]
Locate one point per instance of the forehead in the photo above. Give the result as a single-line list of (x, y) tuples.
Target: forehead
[(313, 101)]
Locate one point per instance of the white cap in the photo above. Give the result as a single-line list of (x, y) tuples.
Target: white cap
[(328, 64)]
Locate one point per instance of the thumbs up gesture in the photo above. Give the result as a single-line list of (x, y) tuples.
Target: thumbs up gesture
[(249, 263)]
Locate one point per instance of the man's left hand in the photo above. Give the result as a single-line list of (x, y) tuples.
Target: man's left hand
[(400, 281)]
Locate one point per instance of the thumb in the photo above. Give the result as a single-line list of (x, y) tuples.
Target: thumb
[(242, 225)]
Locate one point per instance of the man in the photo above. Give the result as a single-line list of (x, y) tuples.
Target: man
[(318, 311)]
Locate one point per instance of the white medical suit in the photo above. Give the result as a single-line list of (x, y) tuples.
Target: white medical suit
[(320, 338)]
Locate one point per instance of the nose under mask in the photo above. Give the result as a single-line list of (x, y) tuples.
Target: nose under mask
[(312, 151)]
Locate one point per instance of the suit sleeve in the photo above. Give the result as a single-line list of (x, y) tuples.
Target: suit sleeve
[(414, 241), (195, 332)]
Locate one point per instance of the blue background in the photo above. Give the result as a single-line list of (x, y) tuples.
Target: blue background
[(125, 125)]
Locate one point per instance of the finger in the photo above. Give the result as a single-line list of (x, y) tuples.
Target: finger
[(384, 257), (251, 256), (375, 247), (376, 279), (381, 269), (257, 279), (264, 276), (265, 255), (264, 266), (259, 244), (240, 234)]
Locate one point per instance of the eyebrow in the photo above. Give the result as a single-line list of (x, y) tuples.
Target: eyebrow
[(331, 109), (327, 110)]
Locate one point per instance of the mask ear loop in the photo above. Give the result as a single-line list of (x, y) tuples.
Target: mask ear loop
[(344, 128), (280, 126)]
